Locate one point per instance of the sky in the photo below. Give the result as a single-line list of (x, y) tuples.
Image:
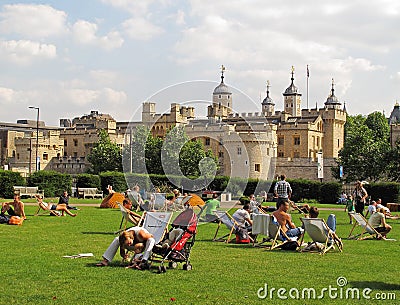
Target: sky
[(71, 57)]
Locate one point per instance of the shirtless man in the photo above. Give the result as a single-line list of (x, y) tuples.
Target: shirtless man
[(285, 221), (18, 207)]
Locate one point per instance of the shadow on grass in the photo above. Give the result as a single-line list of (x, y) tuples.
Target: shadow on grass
[(375, 285)]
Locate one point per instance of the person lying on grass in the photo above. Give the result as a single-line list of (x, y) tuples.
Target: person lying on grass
[(126, 242), (61, 207)]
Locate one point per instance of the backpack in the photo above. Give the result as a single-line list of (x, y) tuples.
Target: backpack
[(15, 220), (4, 218)]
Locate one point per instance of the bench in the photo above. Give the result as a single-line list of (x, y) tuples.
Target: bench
[(92, 192), (30, 191), (393, 207)]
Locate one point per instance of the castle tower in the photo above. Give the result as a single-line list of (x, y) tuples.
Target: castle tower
[(332, 101), (334, 118), (268, 105), (292, 99), (222, 100), (148, 111)]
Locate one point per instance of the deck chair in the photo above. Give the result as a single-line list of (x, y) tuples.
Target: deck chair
[(366, 228), (159, 201), (127, 218), (320, 233), (229, 222), (157, 224), (41, 211), (278, 236)]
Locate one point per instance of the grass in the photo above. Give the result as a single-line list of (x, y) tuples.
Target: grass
[(33, 270)]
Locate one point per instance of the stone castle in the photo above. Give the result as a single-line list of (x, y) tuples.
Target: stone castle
[(302, 143)]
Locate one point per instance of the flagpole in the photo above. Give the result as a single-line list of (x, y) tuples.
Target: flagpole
[(308, 75)]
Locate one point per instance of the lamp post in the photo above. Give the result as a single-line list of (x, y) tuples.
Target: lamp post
[(37, 135)]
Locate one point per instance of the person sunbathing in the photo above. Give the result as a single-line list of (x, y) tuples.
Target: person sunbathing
[(18, 207), (62, 207)]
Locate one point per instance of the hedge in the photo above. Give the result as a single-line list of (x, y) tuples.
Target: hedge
[(7, 180), (88, 180), (52, 183)]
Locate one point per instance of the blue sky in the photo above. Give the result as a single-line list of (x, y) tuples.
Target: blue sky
[(71, 57)]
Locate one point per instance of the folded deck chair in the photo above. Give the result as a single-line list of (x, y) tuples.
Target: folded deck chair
[(229, 222), (320, 234), (157, 224), (127, 218), (41, 211), (366, 228), (278, 236)]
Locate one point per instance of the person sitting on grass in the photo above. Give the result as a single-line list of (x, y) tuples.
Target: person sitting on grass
[(387, 211), (18, 205), (61, 207), (126, 241), (378, 222)]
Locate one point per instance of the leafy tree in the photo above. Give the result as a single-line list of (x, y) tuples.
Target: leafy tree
[(377, 122), (393, 163), (365, 147), (105, 155)]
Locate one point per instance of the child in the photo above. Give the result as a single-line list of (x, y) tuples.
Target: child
[(137, 258), (349, 207)]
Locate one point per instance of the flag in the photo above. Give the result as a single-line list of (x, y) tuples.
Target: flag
[(308, 72)]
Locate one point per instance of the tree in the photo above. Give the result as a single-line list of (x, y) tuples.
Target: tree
[(105, 155), (393, 163), (365, 148)]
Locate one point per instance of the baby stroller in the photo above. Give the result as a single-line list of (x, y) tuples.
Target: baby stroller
[(179, 250)]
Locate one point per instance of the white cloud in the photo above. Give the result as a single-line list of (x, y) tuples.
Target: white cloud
[(24, 52), (137, 8), (85, 33), (33, 21), (7, 96), (141, 29)]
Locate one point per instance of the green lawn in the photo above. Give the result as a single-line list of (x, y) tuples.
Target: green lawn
[(33, 270)]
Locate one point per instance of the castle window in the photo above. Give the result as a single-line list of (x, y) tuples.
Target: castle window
[(281, 140), (317, 141), (296, 140), (338, 143), (207, 142), (65, 142), (280, 154), (268, 151), (219, 96), (75, 142), (17, 156), (45, 156), (221, 154), (239, 150), (296, 154), (257, 167), (75, 154)]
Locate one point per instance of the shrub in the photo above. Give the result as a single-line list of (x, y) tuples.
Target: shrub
[(51, 182), (88, 180), (7, 180), (115, 179)]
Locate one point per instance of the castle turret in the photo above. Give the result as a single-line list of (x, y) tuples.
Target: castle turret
[(332, 101), (222, 100), (268, 105), (292, 99)]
